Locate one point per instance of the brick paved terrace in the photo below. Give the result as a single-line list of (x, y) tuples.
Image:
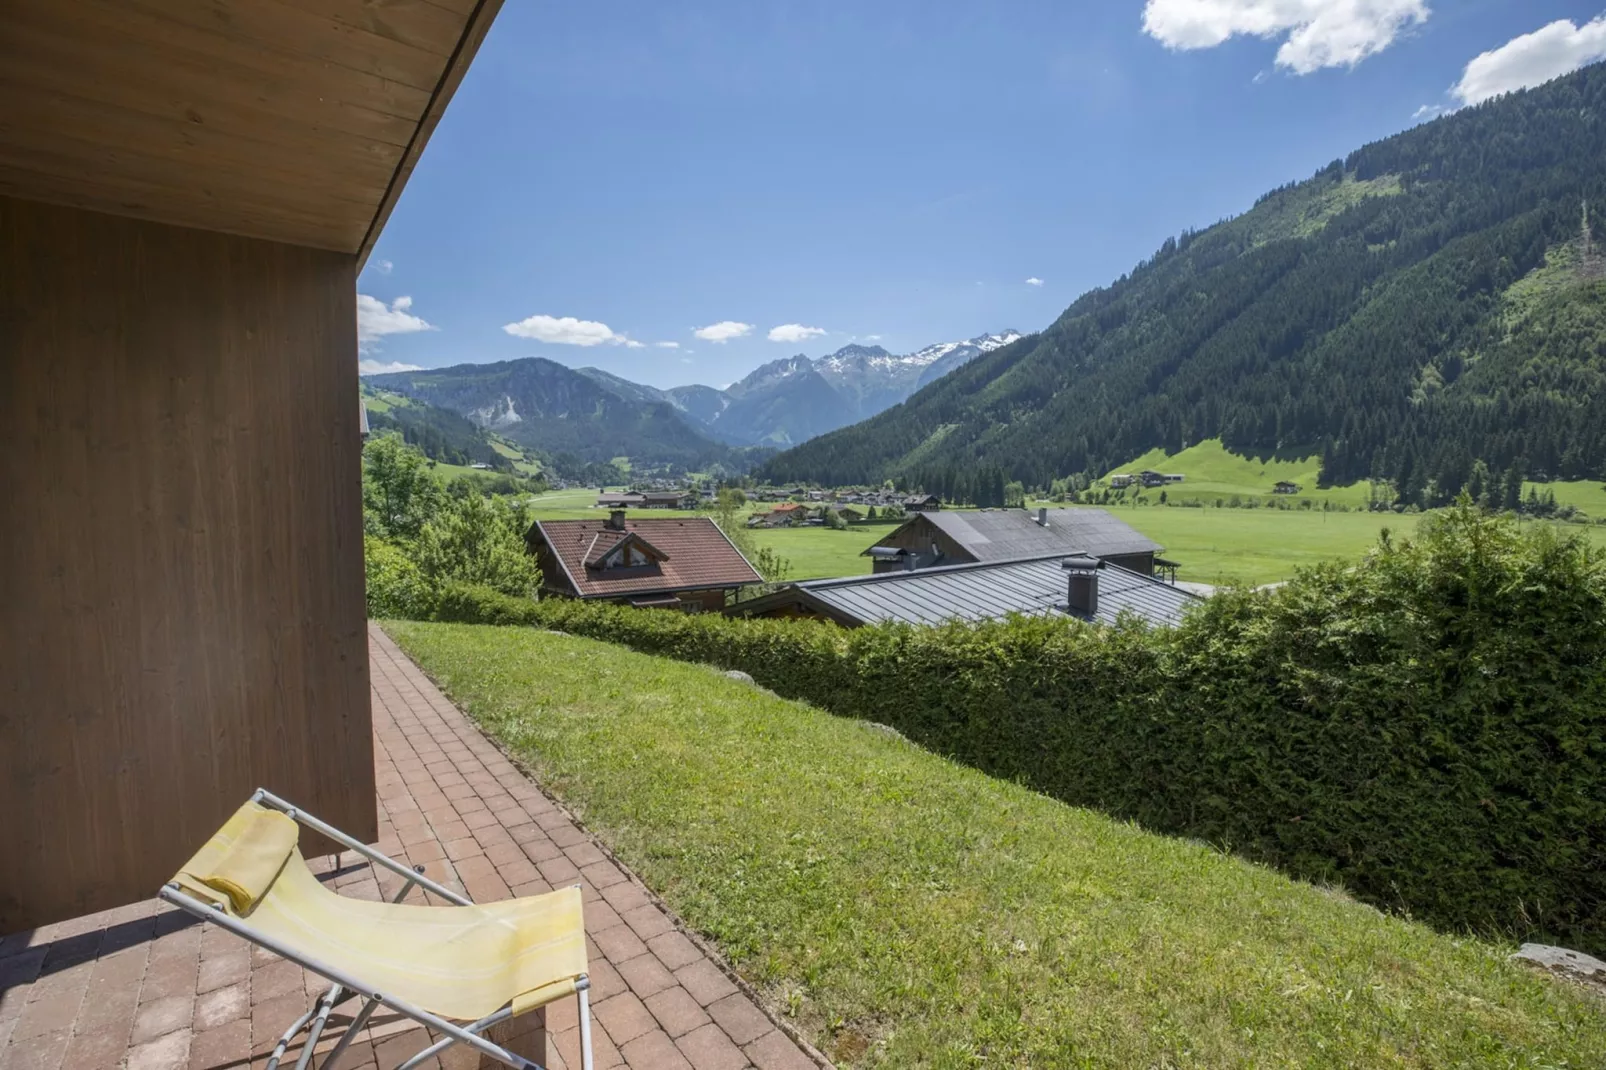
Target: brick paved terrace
[(145, 987)]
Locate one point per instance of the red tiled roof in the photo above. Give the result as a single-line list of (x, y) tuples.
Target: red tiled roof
[(698, 556)]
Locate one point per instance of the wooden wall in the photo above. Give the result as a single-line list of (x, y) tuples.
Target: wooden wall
[(181, 585)]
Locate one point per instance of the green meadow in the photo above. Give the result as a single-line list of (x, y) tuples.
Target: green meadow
[(1212, 472), (1213, 545)]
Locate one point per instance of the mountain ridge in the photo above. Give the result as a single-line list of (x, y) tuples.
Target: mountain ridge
[(597, 415), (1382, 314)]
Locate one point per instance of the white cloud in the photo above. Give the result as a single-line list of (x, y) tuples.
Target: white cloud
[(379, 367), (667, 345), (1549, 52), (872, 338), (631, 343), (385, 267), (568, 331), (1034, 281), (723, 331), (1319, 33), (375, 320), (687, 360), (794, 332), (1428, 111)]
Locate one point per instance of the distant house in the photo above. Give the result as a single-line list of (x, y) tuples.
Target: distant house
[(619, 501), (1052, 585), (922, 503), (480, 466), (1283, 486), (669, 499), (674, 562), (1122, 480), (953, 537), (782, 516), (1151, 478)]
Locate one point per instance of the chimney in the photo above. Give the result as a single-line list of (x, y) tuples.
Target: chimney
[(1082, 584), (1042, 516), (616, 520)]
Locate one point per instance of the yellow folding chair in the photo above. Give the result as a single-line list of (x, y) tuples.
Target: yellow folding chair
[(438, 965)]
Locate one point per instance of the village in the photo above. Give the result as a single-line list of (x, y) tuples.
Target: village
[(935, 566)]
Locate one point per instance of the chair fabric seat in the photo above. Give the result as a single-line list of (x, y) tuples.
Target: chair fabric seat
[(462, 962)]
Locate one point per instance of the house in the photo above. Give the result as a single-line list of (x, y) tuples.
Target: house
[(1283, 486), (957, 537), (1151, 478), (673, 562), (620, 501), (189, 195), (669, 499), (1045, 585), (788, 515), (1122, 480), (922, 503)]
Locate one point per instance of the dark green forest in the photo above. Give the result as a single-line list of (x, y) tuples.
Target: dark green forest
[(1430, 311)]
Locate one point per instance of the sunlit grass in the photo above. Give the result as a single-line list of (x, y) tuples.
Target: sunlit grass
[(910, 912)]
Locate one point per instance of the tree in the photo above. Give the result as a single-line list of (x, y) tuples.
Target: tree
[(478, 540), (398, 492)]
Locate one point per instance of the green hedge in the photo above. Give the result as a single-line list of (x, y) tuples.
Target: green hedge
[(1427, 727)]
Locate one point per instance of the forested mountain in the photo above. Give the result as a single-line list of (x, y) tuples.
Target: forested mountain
[(544, 405), (1427, 309), (439, 434)]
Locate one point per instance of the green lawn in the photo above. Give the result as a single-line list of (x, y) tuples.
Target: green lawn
[(1214, 473), (905, 911), (817, 553), (1586, 494), (1257, 546)]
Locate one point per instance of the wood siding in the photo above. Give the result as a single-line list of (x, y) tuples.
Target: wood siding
[(181, 560), (918, 535), (289, 120), (1142, 564)]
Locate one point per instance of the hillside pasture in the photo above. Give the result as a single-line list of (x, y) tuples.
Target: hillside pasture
[(1213, 472)]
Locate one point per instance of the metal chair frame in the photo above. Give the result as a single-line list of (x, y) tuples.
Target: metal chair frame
[(344, 986)]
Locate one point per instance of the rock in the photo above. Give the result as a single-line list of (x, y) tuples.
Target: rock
[(1561, 958), (737, 674), (884, 729)]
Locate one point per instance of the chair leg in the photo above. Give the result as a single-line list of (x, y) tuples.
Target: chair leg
[(351, 1032), (325, 1005), (289, 1035), (584, 995)]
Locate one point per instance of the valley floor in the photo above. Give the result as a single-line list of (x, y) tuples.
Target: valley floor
[(906, 911), (1214, 546)]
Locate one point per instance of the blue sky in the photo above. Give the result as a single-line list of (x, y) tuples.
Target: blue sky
[(613, 178)]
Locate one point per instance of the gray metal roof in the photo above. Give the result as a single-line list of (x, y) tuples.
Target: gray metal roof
[(1001, 534), (981, 591)]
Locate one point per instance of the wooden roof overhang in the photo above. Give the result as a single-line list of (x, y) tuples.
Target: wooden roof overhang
[(294, 121)]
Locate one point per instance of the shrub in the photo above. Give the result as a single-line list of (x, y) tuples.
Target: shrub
[(396, 588), (1427, 727)]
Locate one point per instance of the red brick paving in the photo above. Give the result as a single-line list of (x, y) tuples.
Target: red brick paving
[(146, 988)]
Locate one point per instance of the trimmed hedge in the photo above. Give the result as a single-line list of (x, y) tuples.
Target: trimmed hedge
[(1427, 727)]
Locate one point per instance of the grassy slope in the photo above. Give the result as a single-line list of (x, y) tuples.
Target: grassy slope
[(888, 898), (1214, 473)]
